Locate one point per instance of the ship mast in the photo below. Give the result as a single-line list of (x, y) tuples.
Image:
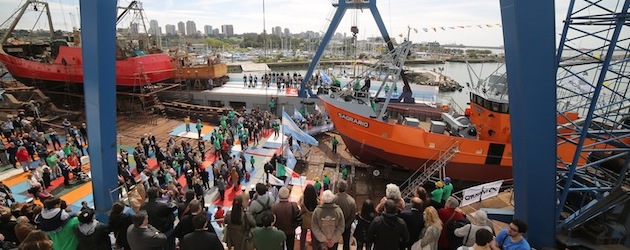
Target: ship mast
[(20, 13)]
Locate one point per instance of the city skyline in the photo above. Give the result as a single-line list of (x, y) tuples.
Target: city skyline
[(456, 21)]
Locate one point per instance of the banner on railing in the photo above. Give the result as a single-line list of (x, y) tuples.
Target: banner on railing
[(480, 192)]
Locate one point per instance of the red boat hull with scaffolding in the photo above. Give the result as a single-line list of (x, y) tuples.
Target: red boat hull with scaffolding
[(68, 67)]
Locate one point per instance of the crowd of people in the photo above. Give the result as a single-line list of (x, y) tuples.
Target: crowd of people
[(39, 151), (168, 215), (279, 79)]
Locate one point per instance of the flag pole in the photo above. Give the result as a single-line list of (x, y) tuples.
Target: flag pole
[(282, 133)]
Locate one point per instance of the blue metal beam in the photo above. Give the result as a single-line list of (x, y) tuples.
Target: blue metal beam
[(381, 26), (98, 34), (334, 23), (531, 65)]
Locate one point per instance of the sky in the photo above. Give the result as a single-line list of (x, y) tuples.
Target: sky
[(480, 18)]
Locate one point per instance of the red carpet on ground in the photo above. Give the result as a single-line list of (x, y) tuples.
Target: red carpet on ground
[(230, 193), (59, 181), (153, 165), (205, 165)]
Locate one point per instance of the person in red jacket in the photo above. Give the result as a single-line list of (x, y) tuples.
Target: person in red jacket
[(75, 164), (23, 157), (448, 214), (219, 215)]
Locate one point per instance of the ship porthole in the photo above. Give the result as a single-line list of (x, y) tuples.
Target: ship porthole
[(376, 172), (332, 96)]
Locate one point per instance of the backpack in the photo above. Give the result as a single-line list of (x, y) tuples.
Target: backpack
[(455, 241), (265, 207)]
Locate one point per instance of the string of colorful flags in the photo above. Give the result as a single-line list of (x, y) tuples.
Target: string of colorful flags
[(439, 29)]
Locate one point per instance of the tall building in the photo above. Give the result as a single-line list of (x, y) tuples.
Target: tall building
[(134, 28), (207, 30), (216, 32), (154, 28), (191, 28), (286, 32), (181, 28), (277, 31), (170, 29), (227, 29)]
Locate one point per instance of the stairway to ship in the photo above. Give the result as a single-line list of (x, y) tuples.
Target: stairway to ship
[(426, 171)]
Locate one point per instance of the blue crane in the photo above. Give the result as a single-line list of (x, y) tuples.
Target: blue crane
[(342, 6)]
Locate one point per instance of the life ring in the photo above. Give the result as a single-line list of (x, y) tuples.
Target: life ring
[(376, 172)]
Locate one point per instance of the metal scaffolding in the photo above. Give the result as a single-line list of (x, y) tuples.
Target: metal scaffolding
[(593, 116)]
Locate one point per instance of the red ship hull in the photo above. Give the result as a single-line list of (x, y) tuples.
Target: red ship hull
[(68, 67)]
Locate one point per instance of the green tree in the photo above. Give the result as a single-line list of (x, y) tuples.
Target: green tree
[(216, 43)]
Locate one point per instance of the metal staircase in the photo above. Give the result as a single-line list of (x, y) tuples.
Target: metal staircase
[(426, 171)]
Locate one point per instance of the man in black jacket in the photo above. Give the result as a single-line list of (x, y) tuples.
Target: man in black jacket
[(387, 231), (91, 234), (414, 220), (143, 236), (201, 236), (160, 215), (186, 223)]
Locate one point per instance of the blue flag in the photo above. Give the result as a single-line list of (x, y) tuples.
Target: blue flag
[(289, 127), (291, 161), (325, 77)]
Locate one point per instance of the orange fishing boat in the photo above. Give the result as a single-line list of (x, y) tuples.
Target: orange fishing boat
[(480, 136)]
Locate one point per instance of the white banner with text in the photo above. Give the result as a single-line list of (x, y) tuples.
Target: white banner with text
[(480, 192)]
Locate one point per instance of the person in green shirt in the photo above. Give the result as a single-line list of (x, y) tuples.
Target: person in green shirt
[(217, 147), (326, 181), (272, 106), (276, 128), (223, 121), (52, 160), (436, 195), (335, 142), (268, 237), (252, 161), (448, 190), (67, 149), (199, 126), (231, 115), (344, 172), (317, 185), (65, 238), (357, 85)]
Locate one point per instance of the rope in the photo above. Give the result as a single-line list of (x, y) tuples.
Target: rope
[(12, 15), (37, 21), (63, 14)]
